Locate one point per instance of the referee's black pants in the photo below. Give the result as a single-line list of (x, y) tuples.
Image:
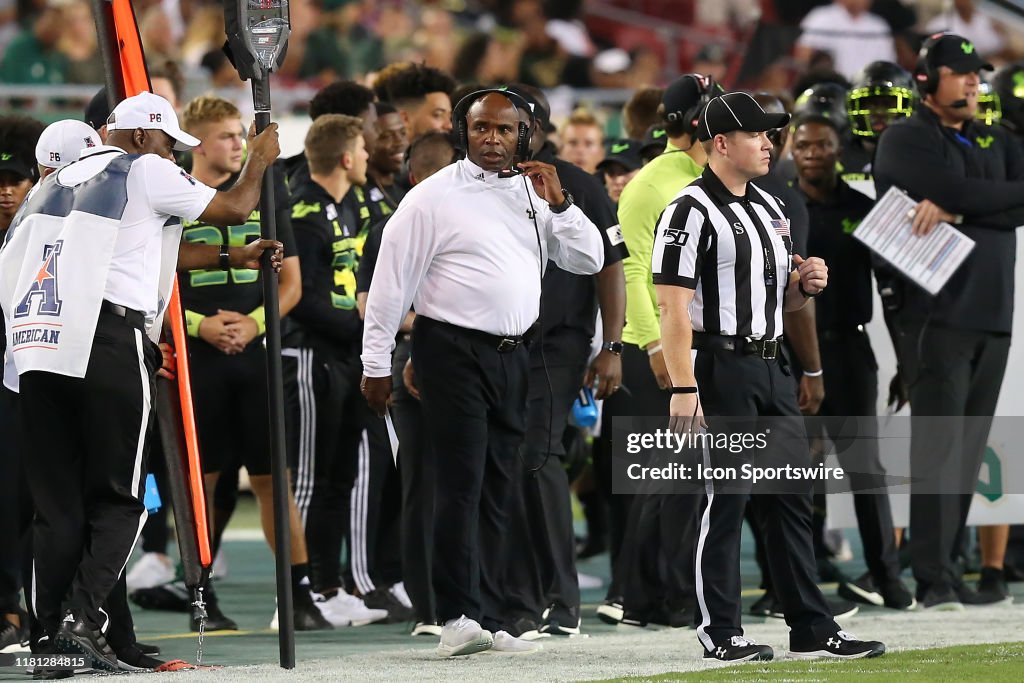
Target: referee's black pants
[(542, 543), (956, 373), (15, 505), (735, 385), (474, 410), (851, 390), (87, 478)]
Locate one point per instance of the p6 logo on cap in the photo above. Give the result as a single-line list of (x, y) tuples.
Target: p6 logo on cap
[(156, 118)]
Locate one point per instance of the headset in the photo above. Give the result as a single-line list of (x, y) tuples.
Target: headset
[(708, 89), (926, 76), (460, 125)]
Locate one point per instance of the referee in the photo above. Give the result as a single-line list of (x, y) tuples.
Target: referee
[(723, 276)]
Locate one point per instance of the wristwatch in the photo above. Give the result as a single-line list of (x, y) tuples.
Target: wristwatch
[(612, 347), (225, 258), (806, 294), (566, 203)]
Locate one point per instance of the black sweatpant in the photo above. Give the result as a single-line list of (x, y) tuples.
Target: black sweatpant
[(414, 466), (949, 372), (88, 476), (15, 505), (474, 408), (639, 396), (541, 559), (785, 519), (327, 431), (851, 389)]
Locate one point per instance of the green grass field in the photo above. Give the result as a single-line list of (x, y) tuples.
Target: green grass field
[(1003, 663)]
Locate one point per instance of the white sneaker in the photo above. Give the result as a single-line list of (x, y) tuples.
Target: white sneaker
[(505, 642), (347, 610), (274, 624), (463, 636), (422, 628), (152, 569), (220, 565), (398, 590), (586, 581)]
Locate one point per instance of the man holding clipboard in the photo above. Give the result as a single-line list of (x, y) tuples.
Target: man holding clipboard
[(953, 346)]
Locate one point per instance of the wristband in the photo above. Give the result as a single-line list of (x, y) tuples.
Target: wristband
[(260, 316), (654, 349), (683, 390), (225, 258), (192, 322), (814, 374), (807, 295)]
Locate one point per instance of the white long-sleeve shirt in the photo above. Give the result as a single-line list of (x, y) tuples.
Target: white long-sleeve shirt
[(462, 249)]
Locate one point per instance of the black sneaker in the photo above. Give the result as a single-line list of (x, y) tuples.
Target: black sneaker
[(382, 598), (611, 611), (942, 599), (993, 583), (10, 637), (842, 609), (134, 659), (76, 636), (840, 645), (170, 597), (740, 649), (767, 606), (524, 628), (896, 595), (147, 649), (307, 616), (863, 590), (215, 619), (657, 616), (562, 621), (968, 596), (681, 618)]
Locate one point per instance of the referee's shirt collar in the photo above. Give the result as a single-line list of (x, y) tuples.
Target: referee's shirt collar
[(717, 189)]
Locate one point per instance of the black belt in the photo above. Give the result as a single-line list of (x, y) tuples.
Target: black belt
[(502, 343), (131, 316), (840, 333), (765, 348)]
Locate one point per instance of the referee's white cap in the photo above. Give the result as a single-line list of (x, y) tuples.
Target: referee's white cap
[(63, 141), (150, 112)]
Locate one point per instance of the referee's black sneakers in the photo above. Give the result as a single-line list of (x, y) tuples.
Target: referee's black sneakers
[(740, 649), (838, 645)]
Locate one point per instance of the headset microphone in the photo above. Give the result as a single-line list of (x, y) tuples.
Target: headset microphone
[(509, 172), (959, 104)]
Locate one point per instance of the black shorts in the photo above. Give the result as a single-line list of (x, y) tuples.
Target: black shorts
[(230, 398)]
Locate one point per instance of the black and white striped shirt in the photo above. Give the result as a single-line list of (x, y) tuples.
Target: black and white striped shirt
[(735, 252)]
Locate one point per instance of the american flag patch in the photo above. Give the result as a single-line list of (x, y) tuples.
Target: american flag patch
[(781, 227)]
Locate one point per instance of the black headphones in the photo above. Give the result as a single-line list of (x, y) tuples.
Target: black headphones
[(926, 76), (460, 125), (708, 89)]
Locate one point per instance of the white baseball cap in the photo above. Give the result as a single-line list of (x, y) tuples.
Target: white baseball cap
[(63, 142), (150, 112)]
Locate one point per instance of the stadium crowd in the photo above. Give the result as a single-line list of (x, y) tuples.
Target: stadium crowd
[(468, 536)]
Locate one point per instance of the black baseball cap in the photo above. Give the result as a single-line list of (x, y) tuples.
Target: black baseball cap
[(737, 111), (654, 139), (540, 113), (956, 52), (13, 163), (682, 95), (98, 110), (622, 151)]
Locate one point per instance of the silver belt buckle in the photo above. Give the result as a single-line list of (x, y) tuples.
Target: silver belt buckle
[(507, 345), (769, 349)]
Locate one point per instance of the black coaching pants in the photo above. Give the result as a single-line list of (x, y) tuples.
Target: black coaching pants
[(474, 410), (736, 385), (956, 373), (87, 477)]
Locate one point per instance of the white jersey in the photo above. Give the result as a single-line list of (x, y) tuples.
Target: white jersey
[(104, 228)]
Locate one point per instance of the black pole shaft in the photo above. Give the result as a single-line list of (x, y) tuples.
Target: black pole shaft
[(275, 383)]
